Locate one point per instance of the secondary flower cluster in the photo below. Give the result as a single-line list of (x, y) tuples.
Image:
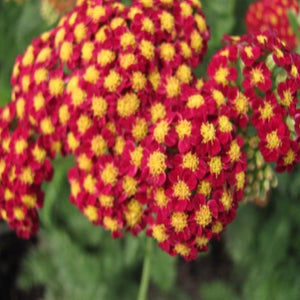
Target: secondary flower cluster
[(265, 15), (268, 75)]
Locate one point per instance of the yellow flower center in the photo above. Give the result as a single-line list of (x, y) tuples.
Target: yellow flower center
[(66, 51), (248, 50), (173, 87), (148, 25), (129, 185), (215, 165), (119, 145), (217, 227), (185, 50), (63, 114), (234, 151), (40, 75), (112, 81), (110, 223), (218, 97), (266, 112), (127, 60), (179, 221), (147, 49), (273, 140), (257, 76), (156, 163), (87, 51), (127, 40), (183, 128), (160, 197), (167, 51), (196, 41), (134, 213), (128, 105), (159, 233), (221, 76), (160, 131), (106, 200), (89, 184), (294, 71), (105, 57), (203, 216), (241, 104), (181, 190), (56, 86), (80, 32), (99, 106), (167, 21), (91, 75), (29, 200), (27, 175), (208, 132), (154, 79), (20, 146), (84, 163), (289, 157), (184, 74), (138, 81), (91, 213), (227, 200), (287, 98), (201, 241), (84, 123), (158, 111), (186, 9), (190, 161), (204, 188), (109, 175), (182, 249), (195, 101), (136, 156), (20, 108), (47, 126), (19, 214)]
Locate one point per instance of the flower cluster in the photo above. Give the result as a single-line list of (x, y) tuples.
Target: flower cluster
[(260, 78), (108, 86), (272, 15), (23, 167), (154, 147)]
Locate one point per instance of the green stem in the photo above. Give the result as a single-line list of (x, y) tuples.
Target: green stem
[(143, 290)]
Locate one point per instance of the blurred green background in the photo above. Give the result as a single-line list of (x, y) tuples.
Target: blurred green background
[(257, 258)]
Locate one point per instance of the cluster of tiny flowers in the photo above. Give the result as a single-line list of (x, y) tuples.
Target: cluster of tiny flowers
[(113, 86), (260, 78), (272, 15), (23, 167)]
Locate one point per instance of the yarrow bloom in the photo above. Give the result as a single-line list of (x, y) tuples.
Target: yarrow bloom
[(265, 15), (255, 102), (105, 85)]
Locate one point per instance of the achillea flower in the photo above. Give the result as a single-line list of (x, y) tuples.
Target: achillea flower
[(255, 101), (106, 85), (265, 15)]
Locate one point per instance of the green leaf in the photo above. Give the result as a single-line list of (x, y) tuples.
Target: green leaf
[(163, 269), (217, 290)]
